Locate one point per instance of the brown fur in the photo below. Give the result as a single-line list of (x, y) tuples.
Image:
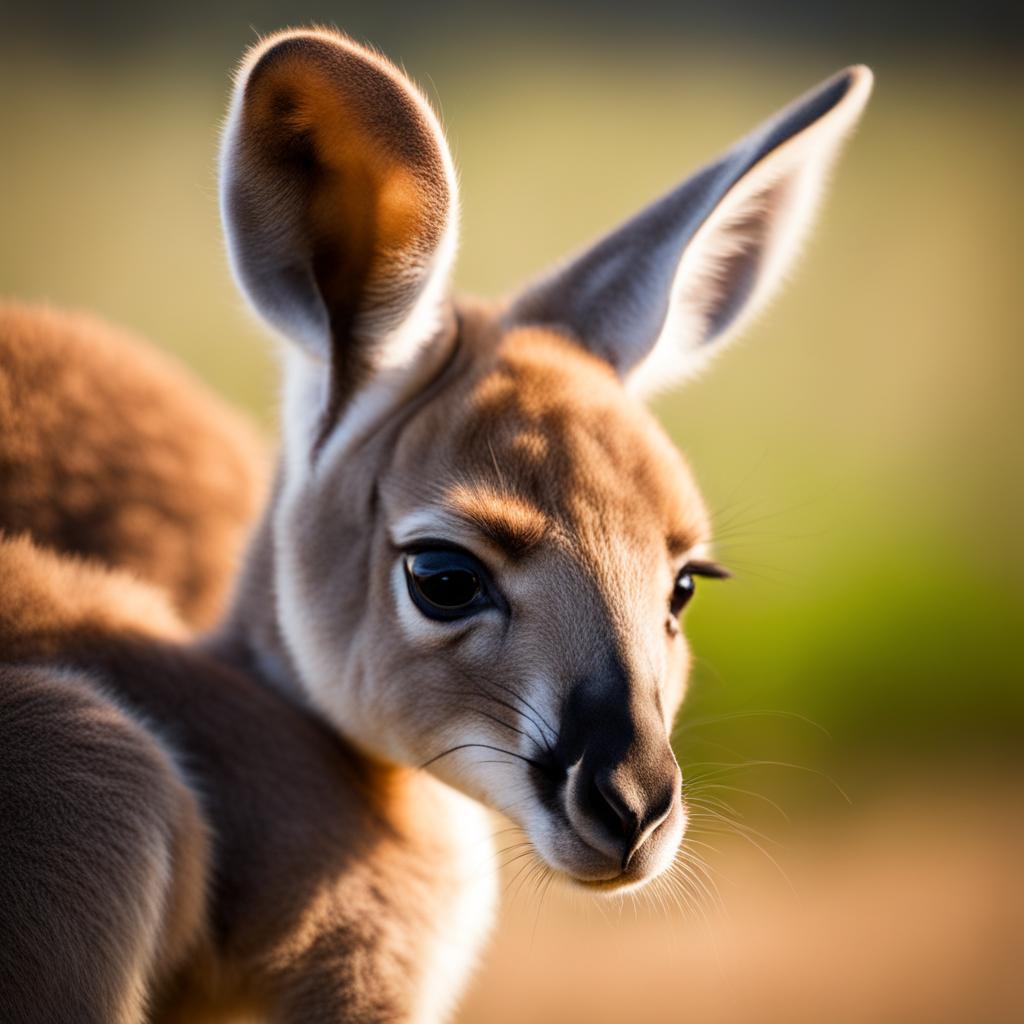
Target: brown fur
[(159, 747), (368, 871), (284, 819), (110, 450)]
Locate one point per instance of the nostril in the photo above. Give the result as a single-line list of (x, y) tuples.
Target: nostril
[(656, 813), (620, 819), (616, 811)]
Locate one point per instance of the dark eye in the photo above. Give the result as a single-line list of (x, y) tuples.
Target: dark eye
[(446, 585), (682, 591)]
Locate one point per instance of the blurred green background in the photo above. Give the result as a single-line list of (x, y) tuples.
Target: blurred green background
[(862, 446)]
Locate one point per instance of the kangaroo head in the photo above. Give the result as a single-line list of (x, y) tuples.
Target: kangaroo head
[(482, 540)]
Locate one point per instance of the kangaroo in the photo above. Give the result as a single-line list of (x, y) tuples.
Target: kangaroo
[(464, 595), (111, 452)]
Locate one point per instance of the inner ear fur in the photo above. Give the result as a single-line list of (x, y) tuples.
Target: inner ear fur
[(337, 195)]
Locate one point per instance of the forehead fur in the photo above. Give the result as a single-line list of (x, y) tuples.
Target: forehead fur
[(540, 438)]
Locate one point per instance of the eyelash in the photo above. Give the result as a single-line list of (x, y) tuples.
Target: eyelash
[(707, 570)]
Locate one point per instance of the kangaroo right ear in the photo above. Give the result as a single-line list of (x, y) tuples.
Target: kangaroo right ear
[(660, 293), (339, 203)]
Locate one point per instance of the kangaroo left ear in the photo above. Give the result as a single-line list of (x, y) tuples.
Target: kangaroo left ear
[(340, 208), (658, 295)]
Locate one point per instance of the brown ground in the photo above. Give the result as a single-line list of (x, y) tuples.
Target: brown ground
[(908, 910)]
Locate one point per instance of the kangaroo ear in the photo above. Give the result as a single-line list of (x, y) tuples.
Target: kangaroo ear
[(339, 203), (660, 293)]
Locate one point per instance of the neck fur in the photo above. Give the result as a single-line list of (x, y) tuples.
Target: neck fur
[(250, 636)]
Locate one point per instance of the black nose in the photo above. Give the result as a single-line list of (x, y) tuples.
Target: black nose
[(628, 806), (622, 779)]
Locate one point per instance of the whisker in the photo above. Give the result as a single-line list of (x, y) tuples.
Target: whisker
[(482, 746), (738, 825), (504, 724), (687, 724), (723, 768), (511, 890), (527, 704), (751, 793), (545, 885), (701, 875), (743, 833), (542, 744)]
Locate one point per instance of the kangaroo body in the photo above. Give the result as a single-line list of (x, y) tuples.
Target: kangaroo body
[(464, 591), (248, 859)]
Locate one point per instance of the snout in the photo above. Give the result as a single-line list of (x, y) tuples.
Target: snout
[(612, 810), (628, 812)]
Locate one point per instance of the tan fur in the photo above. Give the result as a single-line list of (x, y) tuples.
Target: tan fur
[(111, 451), (225, 928), (285, 819)]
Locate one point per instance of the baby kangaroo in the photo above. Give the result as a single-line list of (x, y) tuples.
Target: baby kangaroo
[(465, 592)]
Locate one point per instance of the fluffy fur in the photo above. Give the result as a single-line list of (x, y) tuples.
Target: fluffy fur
[(110, 450), (286, 820)]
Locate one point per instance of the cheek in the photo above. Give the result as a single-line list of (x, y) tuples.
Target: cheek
[(427, 678), (675, 680)]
